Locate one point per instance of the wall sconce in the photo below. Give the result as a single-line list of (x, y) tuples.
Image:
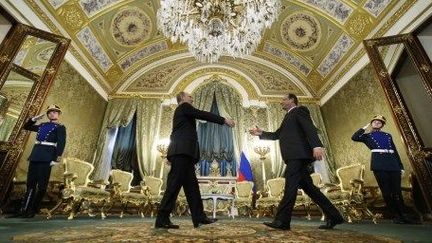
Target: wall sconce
[(162, 147)]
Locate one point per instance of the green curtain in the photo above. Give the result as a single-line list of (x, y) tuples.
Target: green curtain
[(120, 112), (275, 115), (149, 112), (229, 105)]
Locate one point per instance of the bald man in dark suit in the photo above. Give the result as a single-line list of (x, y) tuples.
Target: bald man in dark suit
[(183, 154)]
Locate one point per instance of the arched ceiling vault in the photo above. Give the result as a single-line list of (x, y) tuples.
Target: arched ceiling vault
[(309, 48)]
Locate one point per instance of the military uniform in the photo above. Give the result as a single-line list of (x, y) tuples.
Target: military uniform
[(49, 146), (386, 166)]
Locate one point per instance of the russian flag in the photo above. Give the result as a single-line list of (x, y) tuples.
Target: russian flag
[(245, 170)]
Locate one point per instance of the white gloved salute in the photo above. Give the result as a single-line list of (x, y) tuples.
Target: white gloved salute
[(38, 117), (366, 127)]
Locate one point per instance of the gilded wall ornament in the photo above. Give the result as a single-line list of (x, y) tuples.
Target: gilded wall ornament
[(73, 17), (301, 31), (357, 25), (131, 26)]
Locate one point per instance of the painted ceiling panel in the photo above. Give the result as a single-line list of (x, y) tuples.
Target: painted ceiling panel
[(310, 40)]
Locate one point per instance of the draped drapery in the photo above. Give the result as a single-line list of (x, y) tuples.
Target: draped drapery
[(229, 105), (124, 156), (149, 113), (275, 115), (120, 112), (216, 143), (124, 148)]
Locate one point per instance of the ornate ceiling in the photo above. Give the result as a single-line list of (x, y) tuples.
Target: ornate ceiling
[(307, 51)]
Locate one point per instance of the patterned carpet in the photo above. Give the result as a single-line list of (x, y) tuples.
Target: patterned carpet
[(222, 231)]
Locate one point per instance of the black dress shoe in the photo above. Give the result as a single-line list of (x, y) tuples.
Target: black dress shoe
[(331, 223), (29, 215), (166, 226), (277, 225), (204, 221), (404, 221), (17, 215)]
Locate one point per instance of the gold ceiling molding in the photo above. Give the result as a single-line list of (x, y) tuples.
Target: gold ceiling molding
[(277, 61), (163, 76), (330, 81), (73, 16), (151, 59), (304, 100), (356, 23), (319, 12), (359, 25), (186, 81), (129, 95), (47, 21)]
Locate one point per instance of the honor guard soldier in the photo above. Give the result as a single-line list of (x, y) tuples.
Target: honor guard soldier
[(385, 164), (47, 151)]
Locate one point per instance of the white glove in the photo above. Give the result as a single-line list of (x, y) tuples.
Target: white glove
[(366, 127), (38, 117), (54, 163), (402, 172)]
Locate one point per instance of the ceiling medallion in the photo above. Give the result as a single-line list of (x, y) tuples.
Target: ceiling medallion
[(211, 28), (131, 26), (301, 31)]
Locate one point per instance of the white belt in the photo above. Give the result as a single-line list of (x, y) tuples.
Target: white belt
[(382, 151), (46, 143)]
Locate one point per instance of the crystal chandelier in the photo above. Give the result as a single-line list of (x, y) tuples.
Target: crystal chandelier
[(211, 28)]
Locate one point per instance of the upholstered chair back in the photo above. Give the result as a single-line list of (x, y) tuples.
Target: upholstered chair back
[(276, 187), (79, 168), (347, 173), (154, 185), (244, 189), (123, 178)]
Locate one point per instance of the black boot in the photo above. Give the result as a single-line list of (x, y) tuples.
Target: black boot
[(26, 203)]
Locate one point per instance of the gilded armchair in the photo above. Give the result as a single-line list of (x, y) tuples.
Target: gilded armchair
[(270, 198), (80, 192), (304, 200), (347, 195), (153, 187), (182, 207), (121, 181), (244, 195)]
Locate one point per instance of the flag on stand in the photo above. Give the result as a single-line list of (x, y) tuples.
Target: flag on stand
[(245, 170)]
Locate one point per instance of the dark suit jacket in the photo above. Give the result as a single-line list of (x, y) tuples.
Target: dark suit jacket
[(297, 135), (184, 138), (43, 153)]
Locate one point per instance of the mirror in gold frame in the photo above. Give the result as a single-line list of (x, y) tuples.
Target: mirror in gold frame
[(13, 97)]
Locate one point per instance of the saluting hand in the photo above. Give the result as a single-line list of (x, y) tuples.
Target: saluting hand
[(256, 131), (318, 153), (367, 126), (38, 117), (229, 122)]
